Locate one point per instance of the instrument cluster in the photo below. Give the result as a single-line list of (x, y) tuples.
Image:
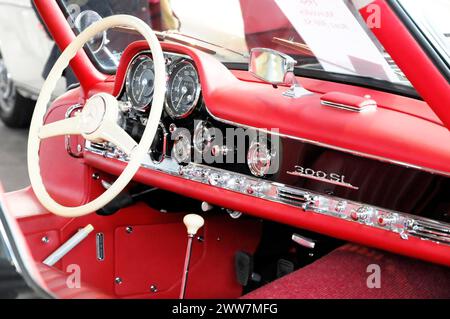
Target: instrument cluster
[(183, 97), (186, 132), (183, 85)]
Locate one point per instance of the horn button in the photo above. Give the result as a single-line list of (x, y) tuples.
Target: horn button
[(93, 115)]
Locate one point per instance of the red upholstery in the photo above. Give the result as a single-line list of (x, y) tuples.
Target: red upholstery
[(56, 282), (344, 274)]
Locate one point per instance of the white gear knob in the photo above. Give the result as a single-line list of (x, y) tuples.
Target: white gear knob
[(193, 223)]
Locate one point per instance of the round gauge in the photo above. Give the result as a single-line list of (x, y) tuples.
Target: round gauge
[(259, 158), (140, 82), (203, 137), (183, 90), (181, 150)]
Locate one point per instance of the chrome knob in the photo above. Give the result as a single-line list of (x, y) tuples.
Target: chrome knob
[(386, 220), (217, 179), (206, 207), (363, 213), (340, 207), (219, 150)]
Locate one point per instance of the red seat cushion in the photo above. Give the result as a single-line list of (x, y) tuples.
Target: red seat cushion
[(56, 282), (344, 274)]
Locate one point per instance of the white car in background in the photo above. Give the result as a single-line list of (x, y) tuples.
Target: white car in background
[(24, 51)]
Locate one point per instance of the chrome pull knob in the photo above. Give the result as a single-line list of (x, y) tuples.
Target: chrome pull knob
[(218, 150), (363, 213), (386, 220), (206, 207)]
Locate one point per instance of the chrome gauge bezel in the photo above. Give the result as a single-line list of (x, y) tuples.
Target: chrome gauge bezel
[(182, 142), (254, 149), (172, 74), (138, 59), (202, 138)]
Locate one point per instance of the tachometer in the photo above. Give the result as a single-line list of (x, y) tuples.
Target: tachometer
[(183, 90), (140, 82)]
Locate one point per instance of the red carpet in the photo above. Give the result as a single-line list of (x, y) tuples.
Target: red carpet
[(343, 275)]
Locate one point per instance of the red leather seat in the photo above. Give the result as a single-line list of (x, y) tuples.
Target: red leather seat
[(345, 274), (56, 282)]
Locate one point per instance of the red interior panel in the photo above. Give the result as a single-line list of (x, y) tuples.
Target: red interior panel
[(143, 253), (156, 248)]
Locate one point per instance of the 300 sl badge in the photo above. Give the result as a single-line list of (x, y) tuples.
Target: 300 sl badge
[(333, 178)]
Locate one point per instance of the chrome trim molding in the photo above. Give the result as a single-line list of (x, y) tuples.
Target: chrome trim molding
[(350, 108), (100, 246), (404, 225)]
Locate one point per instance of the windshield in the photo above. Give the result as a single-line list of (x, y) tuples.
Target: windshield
[(325, 35)]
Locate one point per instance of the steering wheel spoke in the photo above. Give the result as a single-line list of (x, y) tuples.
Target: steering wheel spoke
[(116, 135), (98, 119), (69, 126)]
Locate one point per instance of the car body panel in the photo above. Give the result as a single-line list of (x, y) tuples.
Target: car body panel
[(25, 46)]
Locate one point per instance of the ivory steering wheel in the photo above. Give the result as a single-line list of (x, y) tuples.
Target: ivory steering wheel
[(97, 120)]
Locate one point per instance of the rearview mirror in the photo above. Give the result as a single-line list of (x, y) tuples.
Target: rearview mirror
[(276, 68), (271, 66)]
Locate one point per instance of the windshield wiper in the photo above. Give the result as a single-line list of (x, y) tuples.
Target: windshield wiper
[(297, 46), (175, 36), (163, 36), (245, 55)]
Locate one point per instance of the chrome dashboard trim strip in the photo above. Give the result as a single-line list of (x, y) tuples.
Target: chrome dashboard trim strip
[(349, 108), (404, 225)]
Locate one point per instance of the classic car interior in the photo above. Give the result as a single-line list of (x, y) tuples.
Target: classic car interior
[(179, 175)]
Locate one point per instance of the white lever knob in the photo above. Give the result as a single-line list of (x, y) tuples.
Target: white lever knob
[(193, 223)]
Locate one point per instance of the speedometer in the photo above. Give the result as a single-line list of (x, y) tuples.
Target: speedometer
[(183, 90), (140, 82)]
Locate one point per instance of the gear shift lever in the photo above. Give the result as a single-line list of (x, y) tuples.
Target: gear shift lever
[(193, 223)]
